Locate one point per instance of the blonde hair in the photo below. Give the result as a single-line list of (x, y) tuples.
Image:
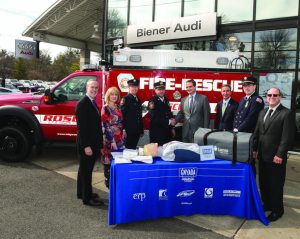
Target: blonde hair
[(109, 92)]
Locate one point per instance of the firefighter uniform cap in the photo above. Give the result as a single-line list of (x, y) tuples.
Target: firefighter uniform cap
[(160, 85), (250, 80), (133, 82)]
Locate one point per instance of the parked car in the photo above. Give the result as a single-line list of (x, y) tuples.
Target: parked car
[(11, 86), (26, 83), (5, 91), (11, 81)]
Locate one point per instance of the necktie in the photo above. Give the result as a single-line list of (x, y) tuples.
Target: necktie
[(223, 108), (267, 120), (95, 105), (191, 102)]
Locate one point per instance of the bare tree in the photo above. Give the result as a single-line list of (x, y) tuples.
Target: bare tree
[(115, 24), (273, 45), (6, 65)]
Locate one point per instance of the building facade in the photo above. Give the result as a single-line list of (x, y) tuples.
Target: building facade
[(267, 31)]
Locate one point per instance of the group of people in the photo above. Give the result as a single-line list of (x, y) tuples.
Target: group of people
[(121, 121)]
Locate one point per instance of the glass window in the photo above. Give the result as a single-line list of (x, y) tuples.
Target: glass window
[(167, 9), (233, 42), (72, 89), (282, 80), (275, 49), (140, 11), (195, 7), (116, 17), (235, 11), (298, 109), (266, 9)]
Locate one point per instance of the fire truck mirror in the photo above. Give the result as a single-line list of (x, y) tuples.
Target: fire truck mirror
[(62, 98), (47, 97)]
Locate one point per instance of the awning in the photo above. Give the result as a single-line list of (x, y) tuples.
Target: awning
[(70, 23)]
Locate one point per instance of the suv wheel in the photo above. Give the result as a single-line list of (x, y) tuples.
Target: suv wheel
[(14, 144)]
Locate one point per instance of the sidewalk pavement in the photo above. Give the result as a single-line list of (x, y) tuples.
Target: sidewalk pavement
[(287, 227)]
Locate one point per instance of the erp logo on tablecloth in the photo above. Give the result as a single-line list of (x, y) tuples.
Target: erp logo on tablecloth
[(139, 196), (188, 174), (208, 192)]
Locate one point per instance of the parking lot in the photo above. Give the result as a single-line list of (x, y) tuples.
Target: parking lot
[(38, 199)]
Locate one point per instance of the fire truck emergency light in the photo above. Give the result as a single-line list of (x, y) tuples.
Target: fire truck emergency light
[(120, 58), (135, 58)]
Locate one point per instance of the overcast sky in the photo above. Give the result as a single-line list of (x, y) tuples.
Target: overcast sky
[(16, 16)]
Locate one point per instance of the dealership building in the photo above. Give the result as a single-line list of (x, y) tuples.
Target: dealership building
[(265, 31)]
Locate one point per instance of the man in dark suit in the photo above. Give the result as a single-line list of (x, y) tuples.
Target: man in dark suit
[(132, 115), (194, 112), (273, 137), (249, 107), (161, 117), (226, 110), (89, 143)]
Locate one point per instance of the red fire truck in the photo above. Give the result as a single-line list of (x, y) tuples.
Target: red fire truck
[(28, 120)]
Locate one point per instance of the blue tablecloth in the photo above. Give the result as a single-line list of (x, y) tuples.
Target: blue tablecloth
[(141, 191)]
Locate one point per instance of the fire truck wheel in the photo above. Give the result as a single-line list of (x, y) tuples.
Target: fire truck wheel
[(14, 144)]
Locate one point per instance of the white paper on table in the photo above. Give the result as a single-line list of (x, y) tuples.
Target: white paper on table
[(120, 160), (117, 154), (130, 153), (144, 159)]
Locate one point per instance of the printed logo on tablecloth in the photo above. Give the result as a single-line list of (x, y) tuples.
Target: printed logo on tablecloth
[(186, 193), (232, 193), (188, 174), (208, 192), (186, 203), (162, 194), (139, 196)]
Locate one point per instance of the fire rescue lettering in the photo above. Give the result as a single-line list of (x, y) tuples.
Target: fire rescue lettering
[(141, 32), (57, 119), (202, 84)]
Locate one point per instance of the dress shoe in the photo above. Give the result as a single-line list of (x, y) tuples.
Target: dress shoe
[(274, 216), (93, 202), (94, 196), (98, 200)]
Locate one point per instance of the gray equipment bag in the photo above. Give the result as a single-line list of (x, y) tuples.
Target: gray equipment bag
[(227, 144)]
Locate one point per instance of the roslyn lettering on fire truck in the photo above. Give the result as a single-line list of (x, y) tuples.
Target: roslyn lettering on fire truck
[(29, 120)]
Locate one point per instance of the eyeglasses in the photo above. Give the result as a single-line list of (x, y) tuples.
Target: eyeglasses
[(274, 95)]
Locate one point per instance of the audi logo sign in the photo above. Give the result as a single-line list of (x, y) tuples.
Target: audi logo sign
[(25, 49)]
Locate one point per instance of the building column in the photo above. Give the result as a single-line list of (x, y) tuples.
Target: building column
[(85, 56)]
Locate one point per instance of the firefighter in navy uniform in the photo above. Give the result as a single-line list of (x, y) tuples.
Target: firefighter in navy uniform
[(247, 112), (161, 118), (249, 107), (132, 115)]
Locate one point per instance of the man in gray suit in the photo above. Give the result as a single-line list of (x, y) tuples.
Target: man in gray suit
[(194, 112), (272, 139)]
